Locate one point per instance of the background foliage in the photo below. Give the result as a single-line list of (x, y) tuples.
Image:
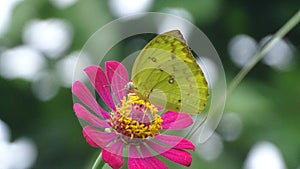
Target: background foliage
[(266, 102)]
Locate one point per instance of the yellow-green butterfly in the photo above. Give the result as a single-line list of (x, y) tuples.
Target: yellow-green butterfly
[(166, 74)]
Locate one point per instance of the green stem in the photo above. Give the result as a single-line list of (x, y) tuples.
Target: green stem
[(263, 50), (99, 163), (257, 57)]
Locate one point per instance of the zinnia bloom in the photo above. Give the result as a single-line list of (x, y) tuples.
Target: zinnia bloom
[(132, 128)]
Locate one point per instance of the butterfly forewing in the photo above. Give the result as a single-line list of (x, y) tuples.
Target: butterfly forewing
[(166, 74)]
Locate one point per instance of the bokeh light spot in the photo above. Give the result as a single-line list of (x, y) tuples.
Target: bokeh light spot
[(280, 56), (230, 126), (126, 7), (65, 67), (62, 4), (211, 149), (51, 36), (4, 132), (45, 86), (169, 23), (6, 9), (264, 155), (21, 62), (19, 154), (241, 49)]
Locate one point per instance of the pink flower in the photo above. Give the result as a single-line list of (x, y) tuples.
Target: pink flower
[(132, 128)]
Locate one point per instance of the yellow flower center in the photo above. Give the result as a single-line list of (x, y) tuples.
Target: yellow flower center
[(136, 118)]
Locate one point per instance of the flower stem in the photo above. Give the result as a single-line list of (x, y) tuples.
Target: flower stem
[(263, 50), (99, 163)]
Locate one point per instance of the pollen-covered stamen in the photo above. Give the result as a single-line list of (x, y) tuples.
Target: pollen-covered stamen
[(136, 118)]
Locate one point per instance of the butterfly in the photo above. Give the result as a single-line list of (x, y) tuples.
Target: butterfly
[(166, 74)]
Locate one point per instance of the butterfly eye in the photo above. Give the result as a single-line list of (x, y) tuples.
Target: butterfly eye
[(129, 86)]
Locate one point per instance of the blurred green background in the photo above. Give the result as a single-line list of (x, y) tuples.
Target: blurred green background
[(263, 112)]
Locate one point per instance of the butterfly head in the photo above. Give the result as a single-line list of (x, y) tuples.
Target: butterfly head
[(129, 86)]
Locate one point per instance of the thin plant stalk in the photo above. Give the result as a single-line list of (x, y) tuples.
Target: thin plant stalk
[(99, 163), (287, 27)]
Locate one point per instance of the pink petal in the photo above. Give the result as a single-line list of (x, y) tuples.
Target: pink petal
[(84, 94), (88, 139), (84, 114), (178, 156), (98, 138), (133, 152), (113, 160), (116, 148), (145, 152), (100, 83), (113, 154), (135, 161), (118, 78), (176, 121), (175, 141), (155, 162)]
